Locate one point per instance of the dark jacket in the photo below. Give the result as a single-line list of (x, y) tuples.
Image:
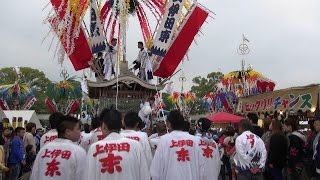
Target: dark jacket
[(17, 152), (277, 155), (316, 157), (296, 152), (255, 129)]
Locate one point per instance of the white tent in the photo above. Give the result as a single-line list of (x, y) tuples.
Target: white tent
[(27, 115), (2, 115)]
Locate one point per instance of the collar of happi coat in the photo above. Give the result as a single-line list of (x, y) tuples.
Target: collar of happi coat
[(113, 136), (62, 140)]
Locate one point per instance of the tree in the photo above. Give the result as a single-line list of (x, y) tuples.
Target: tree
[(36, 78), (202, 87), (205, 85)]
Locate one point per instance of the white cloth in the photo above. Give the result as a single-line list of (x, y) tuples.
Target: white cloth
[(178, 157), (144, 113), (142, 138), (109, 62), (148, 67), (86, 141), (210, 152), (142, 57), (250, 151), (48, 137), (60, 160), (155, 135), (154, 144), (96, 136), (126, 160)]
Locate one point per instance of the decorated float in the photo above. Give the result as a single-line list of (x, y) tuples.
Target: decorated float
[(178, 22)]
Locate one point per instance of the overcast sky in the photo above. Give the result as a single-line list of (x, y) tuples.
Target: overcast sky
[(284, 39)]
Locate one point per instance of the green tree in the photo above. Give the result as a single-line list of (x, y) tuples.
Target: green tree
[(36, 78), (204, 85)]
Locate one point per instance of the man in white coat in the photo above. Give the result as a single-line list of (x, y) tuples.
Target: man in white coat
[(61, 159), (154, 141), (131, 121), (251, 153), (52, 134), (209, 149), (178, 155), (87, 140), (142, 60), (115, 157), (110, 60)]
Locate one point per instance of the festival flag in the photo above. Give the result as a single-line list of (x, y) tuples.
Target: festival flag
[(166, 28), (72, 106), (96, 30), (81, 54), (29, 103), (50, 105), (4, 105), (182, 42)]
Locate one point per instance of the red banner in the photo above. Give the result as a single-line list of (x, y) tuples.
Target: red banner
[(50, 105), (182, 43), (82, 52)]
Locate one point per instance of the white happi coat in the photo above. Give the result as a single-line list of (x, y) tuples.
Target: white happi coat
[(142, 138), (48, 137), (154, 144), (178, 157), (86, 141), (96, 136), (110, 60), (210, 152), (250, 152), (60, 160), (116, 158)]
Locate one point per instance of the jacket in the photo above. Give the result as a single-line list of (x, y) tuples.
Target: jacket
[(17, 152), (296, 152)]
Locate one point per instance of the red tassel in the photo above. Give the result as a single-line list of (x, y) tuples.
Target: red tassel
[(105, 11), (113, 28), (74, 107)]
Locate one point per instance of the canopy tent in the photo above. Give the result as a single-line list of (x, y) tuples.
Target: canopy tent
[(2, 115), (26, 115), (223, 117)]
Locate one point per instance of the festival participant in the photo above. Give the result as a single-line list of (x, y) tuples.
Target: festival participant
[(142, 60), (131, 121), (115, 157), (316, 148), (209, 149), (145, 111), (61, 159), (251, 154), (86, 140), (161, 130), (96, 134), (178, 155), (17, 154), (297, 142), (255, 129), (110, 59), (52, 134), (28, 138)]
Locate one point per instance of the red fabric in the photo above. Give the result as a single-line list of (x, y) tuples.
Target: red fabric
[(49, 105), (74, 106), (2, 105), (82, 52), (223, 117), (182, 43), (105, 11)]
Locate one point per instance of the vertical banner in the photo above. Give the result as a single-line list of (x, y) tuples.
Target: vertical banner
[(81, 55), (182, 42), (166, 28), (96, 30)]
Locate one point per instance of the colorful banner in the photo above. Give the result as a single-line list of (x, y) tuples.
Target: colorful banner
[(297, 98), (82, 52), (96, 30), (29, 103), (181, 44), (166, 28), (50, 105), (4, 105)]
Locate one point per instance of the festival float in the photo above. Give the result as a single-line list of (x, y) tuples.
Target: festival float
[(16, 100), (178, 22), (64, 96), (237, 84)]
